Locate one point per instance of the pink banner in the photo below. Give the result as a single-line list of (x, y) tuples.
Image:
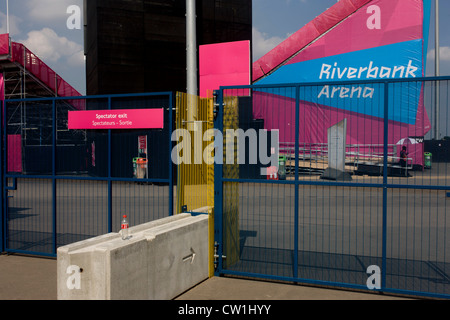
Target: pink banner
[(305, 36), (14, 153), (2, 91), (117, 119), (2, 88), (4, 44), (224, 64), (352, 35)]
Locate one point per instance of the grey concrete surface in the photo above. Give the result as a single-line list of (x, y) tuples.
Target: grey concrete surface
[(159, 261), (31, 278)]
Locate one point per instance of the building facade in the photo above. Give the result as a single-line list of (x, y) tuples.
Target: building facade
[(135, 46)]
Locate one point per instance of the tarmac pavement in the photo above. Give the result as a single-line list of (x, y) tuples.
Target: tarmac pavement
[(32, 278)]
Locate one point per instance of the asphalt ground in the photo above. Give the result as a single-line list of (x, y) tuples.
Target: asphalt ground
[(30, 278)]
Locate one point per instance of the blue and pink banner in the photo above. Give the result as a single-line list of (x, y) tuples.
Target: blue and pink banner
[(360, 40)]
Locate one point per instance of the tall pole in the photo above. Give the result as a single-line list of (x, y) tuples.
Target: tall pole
[(191, 59), (191, 42), (437, 58), (7, 16)]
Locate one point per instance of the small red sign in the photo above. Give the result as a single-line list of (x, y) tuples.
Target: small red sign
[(142, 142), (117, 119)]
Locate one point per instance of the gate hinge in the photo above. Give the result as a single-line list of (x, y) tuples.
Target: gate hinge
[(216, 105), (216, 255)]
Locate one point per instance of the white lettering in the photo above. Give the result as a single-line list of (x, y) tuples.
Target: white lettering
[(341, 74), (74, 280), (335, 89), (368, 92), (411, 70), (334, 70), (187, 310), (374, 21), (246, 309), (74, 21), (398, 68), (352, 73), (372, 71), (356, 89), (194, 145), (374, 281), (183, 147), (385, 72), (325, 71), (345, 92), (324, 92), (361, 71)]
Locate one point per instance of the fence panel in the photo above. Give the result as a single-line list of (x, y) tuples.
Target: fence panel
[(341, 202), (64, 185)]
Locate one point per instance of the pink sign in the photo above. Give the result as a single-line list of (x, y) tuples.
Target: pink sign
[(4, 44), (224, 64), (117, 119)]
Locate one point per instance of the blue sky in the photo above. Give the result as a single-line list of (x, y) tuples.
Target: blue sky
[(274, 21), (41, 26)]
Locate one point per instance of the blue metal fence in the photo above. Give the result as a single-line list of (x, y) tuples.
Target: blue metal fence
[(62, 186), (377, 215)]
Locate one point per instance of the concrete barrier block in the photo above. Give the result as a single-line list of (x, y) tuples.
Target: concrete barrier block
[(160, 261)]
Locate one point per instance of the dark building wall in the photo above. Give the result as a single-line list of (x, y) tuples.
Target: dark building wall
[(140, 45)]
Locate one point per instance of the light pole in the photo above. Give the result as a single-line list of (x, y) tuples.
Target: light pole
[(437, 72), (191, 42), (191, 61), (7, 16)]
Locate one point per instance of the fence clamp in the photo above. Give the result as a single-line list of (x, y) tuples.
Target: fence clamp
[(216, 105), (216, 255)]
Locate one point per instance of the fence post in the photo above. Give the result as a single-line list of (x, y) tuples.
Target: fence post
[(109, 176), (296, 186), (385, 172), (218, 186), (3, 160), (54, 131), (171, 213)]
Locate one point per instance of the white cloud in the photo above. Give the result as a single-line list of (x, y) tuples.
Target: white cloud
[(444, 54), (51, 48), (50, 11), (444, 58), (262, 43), (14, 23)]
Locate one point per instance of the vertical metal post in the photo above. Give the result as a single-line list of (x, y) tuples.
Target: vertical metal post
[(218, 187), (171, 213), (385, 187), (109, 176), (437, 58), (191, 47), (54, 175), (296, 208), (191, 62)]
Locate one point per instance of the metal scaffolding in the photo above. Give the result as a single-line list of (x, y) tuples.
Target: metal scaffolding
[(26, 79)]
